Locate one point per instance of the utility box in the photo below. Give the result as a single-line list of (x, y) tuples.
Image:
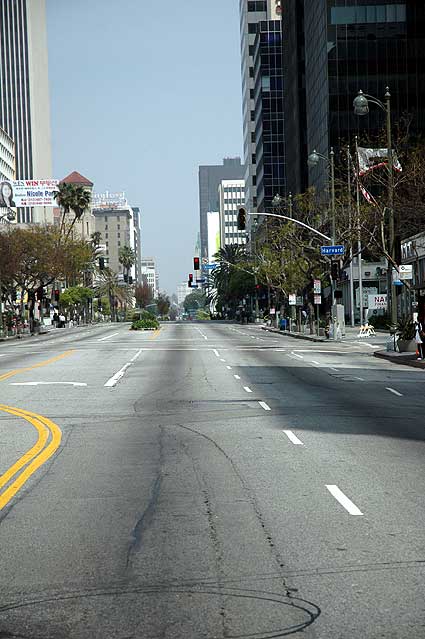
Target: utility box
[(338, 315)]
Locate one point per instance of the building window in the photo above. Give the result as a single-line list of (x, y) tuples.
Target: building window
[(106, 234), (252, 27), (251, 72), (119, 234), (106, 218), (257, 5), (367, 14)]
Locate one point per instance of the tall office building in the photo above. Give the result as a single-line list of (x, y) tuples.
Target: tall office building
[(231, 198), (209, 179), (363, 44), (24, 92), (254, 14), (150, 275)]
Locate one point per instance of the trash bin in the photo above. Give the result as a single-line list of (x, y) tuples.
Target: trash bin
[(283, 323)]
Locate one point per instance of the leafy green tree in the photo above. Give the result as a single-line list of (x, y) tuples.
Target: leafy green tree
[(163, 304), (195, 300), (143, 293)]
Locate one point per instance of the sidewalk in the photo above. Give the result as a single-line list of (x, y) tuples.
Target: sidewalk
[(350, 333), (52, 330), (407, 359)]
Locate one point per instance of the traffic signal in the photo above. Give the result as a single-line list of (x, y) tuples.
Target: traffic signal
[(335, 271), (190, 280), (242, 219), (196, 266), (101, 263), (56, 295)]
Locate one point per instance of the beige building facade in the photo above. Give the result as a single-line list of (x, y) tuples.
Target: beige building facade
[(116, 228)]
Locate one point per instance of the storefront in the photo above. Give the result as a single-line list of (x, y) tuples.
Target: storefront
[(412, 299)]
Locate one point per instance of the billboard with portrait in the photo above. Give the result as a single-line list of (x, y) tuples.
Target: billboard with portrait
[(28, 193)]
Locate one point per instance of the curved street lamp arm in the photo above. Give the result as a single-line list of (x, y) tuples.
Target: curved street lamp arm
[(291, 219), (377, 101)]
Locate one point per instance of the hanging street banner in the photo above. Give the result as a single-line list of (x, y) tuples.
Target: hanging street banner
[(377, 302), (25, 193), (405, 272)]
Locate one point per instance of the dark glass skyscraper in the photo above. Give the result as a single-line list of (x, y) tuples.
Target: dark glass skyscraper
[(268, 109), (351, 45)]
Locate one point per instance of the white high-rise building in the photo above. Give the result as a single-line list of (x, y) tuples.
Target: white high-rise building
[(183, 291), (149, 274), (231, 194), (24, 93)]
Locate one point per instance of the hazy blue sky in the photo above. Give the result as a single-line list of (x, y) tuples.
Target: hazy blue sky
[(142, 92)]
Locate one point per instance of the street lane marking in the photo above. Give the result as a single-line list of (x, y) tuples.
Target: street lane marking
[(102, 339), (247, 389), (34, 458), (139, 352), (155, 333), (236, 376), (216, 353), (359, 378), (392, 390), (293, 438), (47, 383), (34, 366), (314, 362), (229, 368), (264, 405), (343, 500), (333, 369), (296, 355), (222, 360), (116, 378)]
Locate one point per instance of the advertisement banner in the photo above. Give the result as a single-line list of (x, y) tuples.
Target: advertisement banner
[(24, 193), (377, 302)]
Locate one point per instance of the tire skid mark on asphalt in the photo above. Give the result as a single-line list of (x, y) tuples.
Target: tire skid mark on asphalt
[(34, 458)]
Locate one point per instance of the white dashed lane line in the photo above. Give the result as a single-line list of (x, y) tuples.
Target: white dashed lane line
[(247, 389), (236, 376), (343, 500), (264, 405), (222, 360), (395, 392), (216, 353), (229, 368), (293, 438)]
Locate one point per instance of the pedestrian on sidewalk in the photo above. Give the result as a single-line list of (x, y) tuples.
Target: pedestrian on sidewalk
[(420, 338)]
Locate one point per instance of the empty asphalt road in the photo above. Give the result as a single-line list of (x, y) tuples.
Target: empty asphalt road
[(209, 481)]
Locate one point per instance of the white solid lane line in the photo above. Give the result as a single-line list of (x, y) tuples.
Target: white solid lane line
[(343, 500), (47, 383), (293, 438), (392, 390), (102, 339), (116, 378), (216, 353), (264, 405), (247, 389), (236, 376)]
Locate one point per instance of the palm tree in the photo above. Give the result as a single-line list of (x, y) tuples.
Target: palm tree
[(71, 197), (127, 258), (110, 287)]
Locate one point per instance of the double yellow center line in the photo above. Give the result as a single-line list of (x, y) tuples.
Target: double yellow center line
[(49, 439), (33, 458)]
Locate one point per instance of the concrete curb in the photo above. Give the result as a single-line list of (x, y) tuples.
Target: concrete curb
[(52, 331), (406, 360), (309, 338)]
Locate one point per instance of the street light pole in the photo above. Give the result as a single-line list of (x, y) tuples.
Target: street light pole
[(361, 107), (350, 223), (393, 299)]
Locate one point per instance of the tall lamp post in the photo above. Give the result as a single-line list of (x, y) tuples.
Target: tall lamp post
[(313, 160), (10, 216), (361, 107)]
